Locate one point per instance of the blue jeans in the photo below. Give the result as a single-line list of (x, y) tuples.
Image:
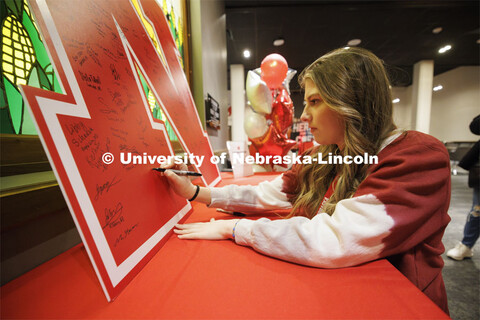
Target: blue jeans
[(472, 226)]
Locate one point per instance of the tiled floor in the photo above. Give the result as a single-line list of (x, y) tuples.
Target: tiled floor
[(462, 278)]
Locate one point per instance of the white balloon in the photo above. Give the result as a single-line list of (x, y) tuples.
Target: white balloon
[(255, 124), (261, 168), (258, 93), (290, 74)]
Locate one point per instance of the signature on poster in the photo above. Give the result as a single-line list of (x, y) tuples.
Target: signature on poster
[(106, 51), (108, 111), (119, 134), (115, 74), (94, 159), (83, 136), (93, 55), (124, 234), (113, 216), (91, 80), (105, 187), (112, 114), (80, 57)]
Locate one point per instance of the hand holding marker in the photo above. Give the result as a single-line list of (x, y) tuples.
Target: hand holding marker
[(191, 173), (180, 172)]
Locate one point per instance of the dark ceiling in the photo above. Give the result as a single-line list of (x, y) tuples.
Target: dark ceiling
[(399, 32)]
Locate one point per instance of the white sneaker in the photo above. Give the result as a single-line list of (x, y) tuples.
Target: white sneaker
[(460, 252)]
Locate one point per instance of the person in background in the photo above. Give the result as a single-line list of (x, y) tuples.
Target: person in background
[(471, 231), (345, 214)]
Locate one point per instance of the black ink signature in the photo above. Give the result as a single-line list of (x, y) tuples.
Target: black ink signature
[(76, 127), (105, 187), (115, 74), (124, 234), (108, 111), (131, 149), (91, 80), (93, 159), (113, 216)]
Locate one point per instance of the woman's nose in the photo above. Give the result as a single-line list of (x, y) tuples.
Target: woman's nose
[(305, 117)]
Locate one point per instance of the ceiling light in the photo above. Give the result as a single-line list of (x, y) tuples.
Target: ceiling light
[(246, 53), (396, 100), (354, 42), (437, 30), (445, 49), (278, 42), (346, 48), (437, 88)]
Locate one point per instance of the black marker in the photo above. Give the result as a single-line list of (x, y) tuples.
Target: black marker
[(238, 214), (234, 213), (180, 172)]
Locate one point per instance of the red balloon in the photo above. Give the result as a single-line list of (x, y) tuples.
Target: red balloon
[(271, 144), (274, 70), (282, 113)]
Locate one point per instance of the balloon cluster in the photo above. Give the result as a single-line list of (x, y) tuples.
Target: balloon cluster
[(269, 117)]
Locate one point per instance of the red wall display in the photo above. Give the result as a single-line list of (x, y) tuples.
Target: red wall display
[(123, 210)]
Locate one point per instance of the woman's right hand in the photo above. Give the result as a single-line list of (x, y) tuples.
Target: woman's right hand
[(181, 185)]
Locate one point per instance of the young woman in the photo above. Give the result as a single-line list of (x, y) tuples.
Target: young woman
[(345, 214)]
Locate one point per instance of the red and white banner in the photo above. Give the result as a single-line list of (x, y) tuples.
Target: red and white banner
[(123, 211)]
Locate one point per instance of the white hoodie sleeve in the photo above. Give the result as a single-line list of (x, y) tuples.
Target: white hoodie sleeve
[(263, 197), (352, 235)]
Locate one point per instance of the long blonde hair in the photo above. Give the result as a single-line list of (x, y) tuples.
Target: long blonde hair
[(352, 82)]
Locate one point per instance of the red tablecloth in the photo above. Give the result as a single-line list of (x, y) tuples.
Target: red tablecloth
[(216, 280)]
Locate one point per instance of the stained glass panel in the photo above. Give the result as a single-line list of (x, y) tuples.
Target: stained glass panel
[(25, 61)]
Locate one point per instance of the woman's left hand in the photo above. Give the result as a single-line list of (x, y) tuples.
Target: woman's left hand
[(213, 230)]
